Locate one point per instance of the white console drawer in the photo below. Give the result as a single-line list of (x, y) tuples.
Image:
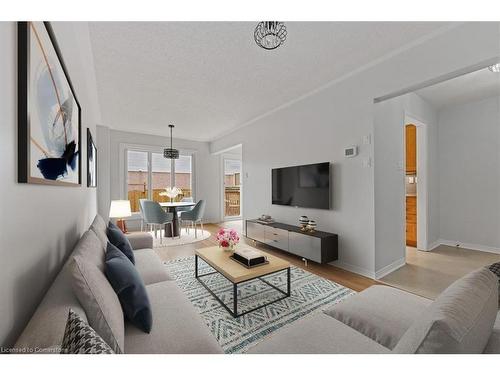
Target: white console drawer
[(305, 246), (276, 237), (255, 231)]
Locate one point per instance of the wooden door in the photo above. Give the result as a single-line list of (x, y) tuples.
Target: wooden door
[(411, 149), (411, 221)]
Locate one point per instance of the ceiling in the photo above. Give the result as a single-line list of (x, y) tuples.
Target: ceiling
[(209, 78), (470, 87)]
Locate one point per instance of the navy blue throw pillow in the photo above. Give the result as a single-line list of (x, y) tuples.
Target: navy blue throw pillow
[(129, 286), (117, 238)]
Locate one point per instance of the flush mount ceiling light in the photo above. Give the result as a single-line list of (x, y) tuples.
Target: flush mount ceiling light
[(171, 153), (270, 34), (494, 68)]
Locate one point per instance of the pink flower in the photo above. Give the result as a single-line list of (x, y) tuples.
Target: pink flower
[(224, 243)]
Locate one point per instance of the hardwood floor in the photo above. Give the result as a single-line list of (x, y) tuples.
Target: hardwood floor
[(346, 278)]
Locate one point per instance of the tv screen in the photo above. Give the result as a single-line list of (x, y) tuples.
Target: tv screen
[(305, 186)]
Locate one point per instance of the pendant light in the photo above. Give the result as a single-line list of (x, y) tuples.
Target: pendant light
[(171, 153)]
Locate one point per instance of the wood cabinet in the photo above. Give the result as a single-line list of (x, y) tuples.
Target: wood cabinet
[(411, 221), (411, 149)]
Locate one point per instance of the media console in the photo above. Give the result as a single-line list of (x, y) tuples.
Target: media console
[(318, 246)]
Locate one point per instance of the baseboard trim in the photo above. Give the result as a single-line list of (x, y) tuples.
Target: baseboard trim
[(355, 269), (390, 268), (470, 246), (433, 245)]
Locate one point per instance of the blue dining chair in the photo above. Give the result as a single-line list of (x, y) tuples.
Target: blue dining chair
[(194, 216), (155, 216)]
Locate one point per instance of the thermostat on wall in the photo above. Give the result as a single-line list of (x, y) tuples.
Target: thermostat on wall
[(351, 151)]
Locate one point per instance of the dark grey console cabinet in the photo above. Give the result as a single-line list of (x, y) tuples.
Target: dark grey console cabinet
[(320, 247)]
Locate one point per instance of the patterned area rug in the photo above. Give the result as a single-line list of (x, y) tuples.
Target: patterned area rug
[(310, 294)]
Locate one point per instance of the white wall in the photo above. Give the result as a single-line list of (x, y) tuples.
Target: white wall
[(390, 218), (469, 163), (39, 224), (319, 126), (207, 168)]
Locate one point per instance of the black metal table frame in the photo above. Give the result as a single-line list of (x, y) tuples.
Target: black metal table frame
[(234, 312)]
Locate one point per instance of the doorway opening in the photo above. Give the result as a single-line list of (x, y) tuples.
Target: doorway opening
[(232, 183)]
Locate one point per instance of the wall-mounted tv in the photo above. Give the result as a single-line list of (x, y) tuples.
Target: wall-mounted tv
[(305, 186)]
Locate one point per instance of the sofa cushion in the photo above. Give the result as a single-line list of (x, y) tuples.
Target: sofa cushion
[(98, 226), (129, 287), (89, 248), (150, 266), (80, 338), (317, 334), (177, 327), (495, 268), (493, 345), (460, 320), (118, 238), (100, 302), (140, 240), (46, 327), (380, 312)]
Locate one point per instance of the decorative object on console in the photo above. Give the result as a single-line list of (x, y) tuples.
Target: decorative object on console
[(311, 226), (227, 239), (80, 338), (91, 161), (120, 209), (270, 34), (171, 153), (171, 192), (49, 115), (265, 219), (303, 221)]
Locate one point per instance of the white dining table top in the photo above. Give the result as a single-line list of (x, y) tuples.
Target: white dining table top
[(177, 204)]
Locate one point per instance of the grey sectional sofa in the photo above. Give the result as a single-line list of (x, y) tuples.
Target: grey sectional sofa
[(381, 319), (177, 327), (463, 319)]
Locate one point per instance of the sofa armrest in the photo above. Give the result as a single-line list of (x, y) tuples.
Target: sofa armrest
[(140, 240)]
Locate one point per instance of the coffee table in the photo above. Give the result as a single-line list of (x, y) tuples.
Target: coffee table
[(237, 274)]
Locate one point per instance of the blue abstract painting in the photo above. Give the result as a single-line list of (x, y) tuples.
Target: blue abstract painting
[(52, 119)]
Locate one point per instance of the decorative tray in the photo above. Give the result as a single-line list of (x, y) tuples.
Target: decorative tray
[(246, 266)]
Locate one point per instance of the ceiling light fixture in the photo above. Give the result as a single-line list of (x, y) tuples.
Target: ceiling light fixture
[(494, 68), (171, 153), (270, 34)]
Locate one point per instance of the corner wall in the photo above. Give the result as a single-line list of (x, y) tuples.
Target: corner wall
[(39, 224)]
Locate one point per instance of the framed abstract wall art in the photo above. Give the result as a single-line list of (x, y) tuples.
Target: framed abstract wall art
[(49, 114), (91, 161)]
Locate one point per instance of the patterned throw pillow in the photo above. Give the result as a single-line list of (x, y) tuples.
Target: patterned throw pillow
[(495, 268), (80, 338)]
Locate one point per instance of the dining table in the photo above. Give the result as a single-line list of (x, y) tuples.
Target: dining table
[(174, 208)]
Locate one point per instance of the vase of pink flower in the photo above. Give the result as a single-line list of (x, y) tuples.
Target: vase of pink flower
[(227, 239)]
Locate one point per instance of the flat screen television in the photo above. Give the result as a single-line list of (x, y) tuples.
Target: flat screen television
[(305, 186)]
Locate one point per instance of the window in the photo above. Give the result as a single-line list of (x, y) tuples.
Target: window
[(137, 178), (161, 176), (232, 187), (149, 174), (183, 176)]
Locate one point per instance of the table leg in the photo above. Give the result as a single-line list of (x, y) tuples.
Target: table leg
[(175, 222), (196, 266), (235, 300), (288, 282)]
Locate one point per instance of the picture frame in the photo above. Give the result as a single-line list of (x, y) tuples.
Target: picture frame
[(49, 114), (91, 161)]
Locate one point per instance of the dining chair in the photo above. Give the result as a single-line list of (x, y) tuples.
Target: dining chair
[(154, 215), (194, 216), (179, 210)]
